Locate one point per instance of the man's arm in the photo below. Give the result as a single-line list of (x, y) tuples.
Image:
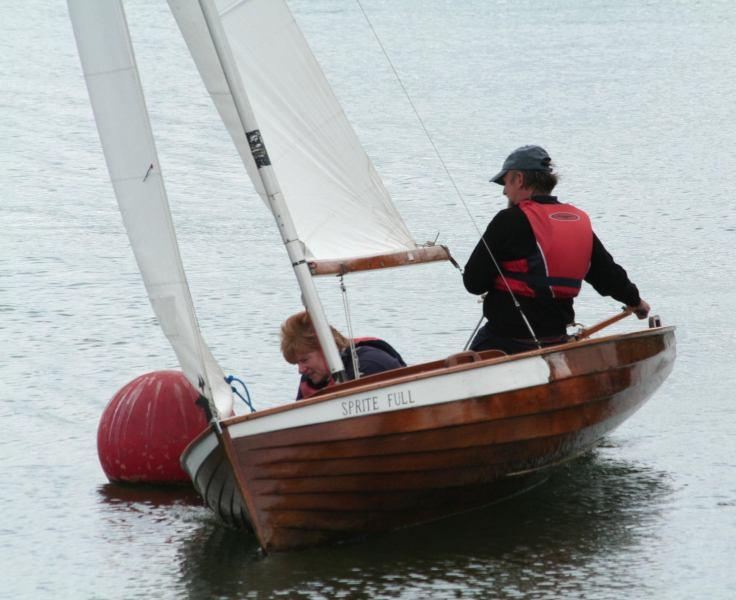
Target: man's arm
[(610, 279), (642, 310), (480, 271)]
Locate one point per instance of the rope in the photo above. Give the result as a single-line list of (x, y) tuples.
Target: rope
[(346, 306), (249, 403), (449, 175), (419, 118)]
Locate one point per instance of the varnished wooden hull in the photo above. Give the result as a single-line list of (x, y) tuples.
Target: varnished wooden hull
[(424, 442)]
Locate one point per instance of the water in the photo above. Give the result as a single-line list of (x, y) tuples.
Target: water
[(633, 100)]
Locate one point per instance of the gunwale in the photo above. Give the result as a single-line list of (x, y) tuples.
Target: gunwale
[(417, 372)]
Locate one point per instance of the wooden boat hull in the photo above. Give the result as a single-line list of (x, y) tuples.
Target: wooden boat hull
[(423, 442)]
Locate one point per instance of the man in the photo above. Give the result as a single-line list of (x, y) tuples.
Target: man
[(544, 250), (300, 346)]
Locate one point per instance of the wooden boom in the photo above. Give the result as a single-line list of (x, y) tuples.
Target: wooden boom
[(381, 261)]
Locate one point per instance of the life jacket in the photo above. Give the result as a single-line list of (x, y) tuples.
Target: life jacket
[(564, 246), (307, 388)]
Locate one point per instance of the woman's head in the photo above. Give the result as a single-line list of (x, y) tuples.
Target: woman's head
[(300, 346), (299, 337)]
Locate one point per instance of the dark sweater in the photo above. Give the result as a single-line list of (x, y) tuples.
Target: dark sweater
[(509, 236), (374, 356)]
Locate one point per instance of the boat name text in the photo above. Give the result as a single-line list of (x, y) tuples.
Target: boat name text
[(370, 404)]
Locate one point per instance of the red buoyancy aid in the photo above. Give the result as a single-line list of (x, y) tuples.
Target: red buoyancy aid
[(564, 238), (307, 389)]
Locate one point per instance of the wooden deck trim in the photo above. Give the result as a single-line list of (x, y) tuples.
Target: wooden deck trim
[(511, 409), (420, 371), (419, 255), (559, 370)]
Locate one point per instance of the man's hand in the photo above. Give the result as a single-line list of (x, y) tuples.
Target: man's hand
[(642, 310)]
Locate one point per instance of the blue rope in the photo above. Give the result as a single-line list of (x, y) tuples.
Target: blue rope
[(229, 379)]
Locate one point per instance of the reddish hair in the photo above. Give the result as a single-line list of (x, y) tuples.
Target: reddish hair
[(298, 337)]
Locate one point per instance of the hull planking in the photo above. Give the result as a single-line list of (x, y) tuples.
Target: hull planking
[(422, 443)]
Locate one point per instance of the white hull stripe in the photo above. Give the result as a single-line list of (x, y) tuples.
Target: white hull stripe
[(450, 387), (198, 454)]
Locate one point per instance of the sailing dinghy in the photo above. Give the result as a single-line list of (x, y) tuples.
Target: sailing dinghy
[(380, 452)]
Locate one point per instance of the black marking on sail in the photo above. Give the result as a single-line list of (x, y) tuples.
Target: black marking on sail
[(150, 168), (200, 382), (257, 148), (204, 404)]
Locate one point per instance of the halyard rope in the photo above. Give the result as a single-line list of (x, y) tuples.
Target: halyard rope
[(449, 175)]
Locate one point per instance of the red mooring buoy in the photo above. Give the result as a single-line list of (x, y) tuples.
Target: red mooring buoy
[(145, 428)]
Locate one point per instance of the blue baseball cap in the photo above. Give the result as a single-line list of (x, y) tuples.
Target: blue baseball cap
[(526, 158)]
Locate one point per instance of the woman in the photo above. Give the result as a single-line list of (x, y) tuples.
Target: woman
[(300, 346)]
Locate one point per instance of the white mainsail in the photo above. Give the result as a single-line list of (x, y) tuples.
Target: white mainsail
[(336, 199), (122, 120)]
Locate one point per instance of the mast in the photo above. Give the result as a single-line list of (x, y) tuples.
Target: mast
[(289, 236)]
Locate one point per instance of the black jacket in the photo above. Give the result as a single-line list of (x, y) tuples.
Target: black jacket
[(374, 356), (509, 236)]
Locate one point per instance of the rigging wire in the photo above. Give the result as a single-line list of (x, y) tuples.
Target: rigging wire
[(418, 116), (475, 331), (351, 339), (449, 175)]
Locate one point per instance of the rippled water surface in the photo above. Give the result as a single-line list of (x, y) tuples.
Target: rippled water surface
[(635, 103)]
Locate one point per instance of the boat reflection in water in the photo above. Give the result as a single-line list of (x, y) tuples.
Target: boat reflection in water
[(124, 496), (595, 511)]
